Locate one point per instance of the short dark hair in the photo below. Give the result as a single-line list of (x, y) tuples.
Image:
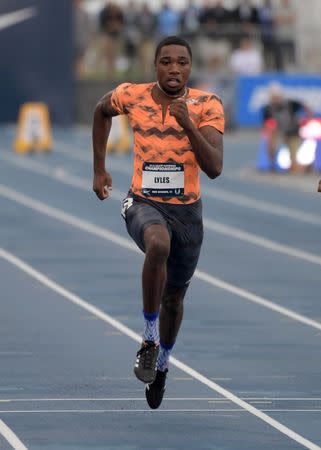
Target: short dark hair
[(172, 40)]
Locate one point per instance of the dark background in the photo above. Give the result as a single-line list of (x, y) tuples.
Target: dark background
[(36, 60)]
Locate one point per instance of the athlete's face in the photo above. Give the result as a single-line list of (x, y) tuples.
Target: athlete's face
[(173, 67)]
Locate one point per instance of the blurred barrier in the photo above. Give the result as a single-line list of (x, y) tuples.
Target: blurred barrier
[(119, 138), (34, 130)]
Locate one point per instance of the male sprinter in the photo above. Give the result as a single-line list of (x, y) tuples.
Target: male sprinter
[(177, 131)]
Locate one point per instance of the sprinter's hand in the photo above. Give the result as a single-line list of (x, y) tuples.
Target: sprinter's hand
[(102, 184), (178, 109)]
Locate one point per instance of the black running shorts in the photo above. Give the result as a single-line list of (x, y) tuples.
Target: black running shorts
[(185, 227)]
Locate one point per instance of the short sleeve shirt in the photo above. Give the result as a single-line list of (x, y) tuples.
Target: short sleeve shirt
[(162, 147)]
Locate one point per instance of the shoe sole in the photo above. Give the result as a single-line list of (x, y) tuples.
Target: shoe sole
[(143, 377)]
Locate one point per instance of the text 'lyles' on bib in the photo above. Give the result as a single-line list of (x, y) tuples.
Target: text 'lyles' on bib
[(163, 179)]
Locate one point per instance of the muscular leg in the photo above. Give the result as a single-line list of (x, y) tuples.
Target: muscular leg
[(157, 248), (171, 314)]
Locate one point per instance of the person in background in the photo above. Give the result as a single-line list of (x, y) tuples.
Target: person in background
[(285, 31), (131, 33), (111, 20), (247, 59), (168, 21), (319, 188), (206, 17), (146, 26), (82, 34), (245, 14), (281, 123), (266, 22), (190, 19)]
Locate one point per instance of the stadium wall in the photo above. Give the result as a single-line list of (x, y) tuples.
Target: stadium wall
[(36, 57)]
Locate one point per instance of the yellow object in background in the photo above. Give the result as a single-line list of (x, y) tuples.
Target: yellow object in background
[(119, 138), (34, 130)]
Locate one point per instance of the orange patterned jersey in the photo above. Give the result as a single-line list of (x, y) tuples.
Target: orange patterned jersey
[(165, 167)]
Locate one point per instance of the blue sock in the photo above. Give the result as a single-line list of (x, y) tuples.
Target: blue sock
[(163, 356), (150, 327)]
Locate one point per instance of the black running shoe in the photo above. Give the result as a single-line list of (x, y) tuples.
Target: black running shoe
[(145, 366), (155, 391)]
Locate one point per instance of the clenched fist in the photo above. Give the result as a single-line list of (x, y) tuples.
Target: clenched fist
[(179, 110), (102, 184)]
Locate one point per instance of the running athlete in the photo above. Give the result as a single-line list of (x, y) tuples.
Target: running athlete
[(177, 131)]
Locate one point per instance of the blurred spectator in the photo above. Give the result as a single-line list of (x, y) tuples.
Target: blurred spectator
[(220, 13), (131, 33), (281, 123), (168, 21), (82, 33), (207, 17), (285, 19), (319, 188), (247, 59), (190, 18), (245, 14), (213, 50), (111, 20), (266, 22), (146, 26)]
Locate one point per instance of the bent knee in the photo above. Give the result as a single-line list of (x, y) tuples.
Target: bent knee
[(157, 248)]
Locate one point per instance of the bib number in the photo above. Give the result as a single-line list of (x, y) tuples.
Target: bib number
[(163, 180)]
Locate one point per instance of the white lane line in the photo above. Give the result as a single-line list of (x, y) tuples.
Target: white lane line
[(260, 205), (95, 411), (308, 399), (255, 239), (136, 337), (10, 437), (234, 198), (130, 399), (111, 399), (153, 411), (63, 176), (126, 243)]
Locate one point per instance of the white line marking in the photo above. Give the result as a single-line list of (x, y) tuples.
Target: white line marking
[(255, 239), (55, 411), (180, 365), (260, 205), (10, 437), (116, 399), (63, 176), (130, 399), (13, 18), (217, 193), (93, 411), (126, 243)]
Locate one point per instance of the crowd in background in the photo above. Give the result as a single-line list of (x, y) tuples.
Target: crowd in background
[(245, 39)]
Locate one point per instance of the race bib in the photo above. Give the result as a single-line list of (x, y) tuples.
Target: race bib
[(163, 179)]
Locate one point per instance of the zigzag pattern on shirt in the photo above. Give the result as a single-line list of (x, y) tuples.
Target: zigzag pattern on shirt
[(155, 132), (176, 151), (172, 156), (149, 109)]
